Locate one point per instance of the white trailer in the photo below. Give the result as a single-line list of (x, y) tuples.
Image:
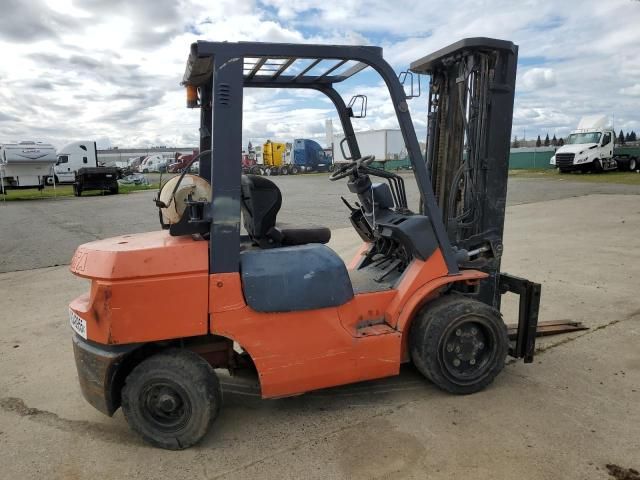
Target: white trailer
[(25, 164), (386, 144), (71, 158), (590, 148)]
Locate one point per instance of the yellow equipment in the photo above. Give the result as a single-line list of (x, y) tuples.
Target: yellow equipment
[(273, 153)]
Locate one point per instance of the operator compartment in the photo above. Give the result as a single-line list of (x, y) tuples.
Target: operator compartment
[(144, 287)]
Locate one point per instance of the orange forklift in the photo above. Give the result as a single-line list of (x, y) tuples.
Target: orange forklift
[(167, 308)]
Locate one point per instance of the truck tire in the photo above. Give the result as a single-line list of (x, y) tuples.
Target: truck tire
[(597, 166), (633, 164), (459, 343), (171, 399), (284, 170), (114, 190), (77, 190), (49, 180)]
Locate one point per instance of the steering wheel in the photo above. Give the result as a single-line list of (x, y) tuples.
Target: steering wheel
[(351, 167)]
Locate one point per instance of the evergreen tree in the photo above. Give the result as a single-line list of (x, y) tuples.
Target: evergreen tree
[(515, 143), (538, 142), (633, 136), (627, 137), (621, 138), (554, 141), (546, 141), (561, 142)]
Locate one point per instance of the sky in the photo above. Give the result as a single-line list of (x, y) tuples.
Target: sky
[(110, 70)]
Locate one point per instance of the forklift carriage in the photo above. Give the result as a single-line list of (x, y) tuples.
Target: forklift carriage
[(166, 308)]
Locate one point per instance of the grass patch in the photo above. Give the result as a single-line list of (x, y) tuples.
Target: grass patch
[(63, 191), (623, 178)]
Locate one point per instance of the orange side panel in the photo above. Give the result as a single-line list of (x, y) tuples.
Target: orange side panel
[(145, 287), (145, 310), (417, 274), (295, 352), (225, 292)]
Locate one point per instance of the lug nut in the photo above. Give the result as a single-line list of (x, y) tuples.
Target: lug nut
[(458, 332), (456, 362), (450, 347), (472, 361)]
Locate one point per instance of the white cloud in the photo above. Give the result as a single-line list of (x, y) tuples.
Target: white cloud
[(110, 69), (632, 91), (537, 79)]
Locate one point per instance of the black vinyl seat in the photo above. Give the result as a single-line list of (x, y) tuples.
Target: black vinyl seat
[(260, 201)]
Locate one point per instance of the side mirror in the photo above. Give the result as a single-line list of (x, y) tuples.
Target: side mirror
[(358, 103), (412, 92)]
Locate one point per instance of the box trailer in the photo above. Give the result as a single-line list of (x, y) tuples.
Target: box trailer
[(386, 144), (25, 165)]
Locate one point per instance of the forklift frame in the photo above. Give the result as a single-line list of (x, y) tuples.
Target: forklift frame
[(220, 72)]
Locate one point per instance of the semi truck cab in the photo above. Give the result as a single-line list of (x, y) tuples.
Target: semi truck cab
[(71, 158), (588, 148)]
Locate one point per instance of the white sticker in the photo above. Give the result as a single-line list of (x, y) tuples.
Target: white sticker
[(78, 324)]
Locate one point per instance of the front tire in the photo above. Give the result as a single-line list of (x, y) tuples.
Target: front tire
[(171, 399), (597, 166), (458, 343)]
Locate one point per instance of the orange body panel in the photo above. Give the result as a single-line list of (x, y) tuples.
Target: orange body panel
[(145, 287), (150, 287)]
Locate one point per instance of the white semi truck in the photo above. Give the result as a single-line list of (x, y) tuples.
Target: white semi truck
[(590, 147), (25, 165), (71, 158)]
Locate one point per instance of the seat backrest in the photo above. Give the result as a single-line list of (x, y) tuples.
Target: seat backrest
[(260, 202)]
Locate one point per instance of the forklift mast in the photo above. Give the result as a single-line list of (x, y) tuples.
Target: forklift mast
[(469, 129)]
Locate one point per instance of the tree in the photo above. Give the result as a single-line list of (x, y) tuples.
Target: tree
[(515, 143), (554, 141), (621, 138), (538, 142), (627, 137), (633, 136), (546, 141), (561, 142)]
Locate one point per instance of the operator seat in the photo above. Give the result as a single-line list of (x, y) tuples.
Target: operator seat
[(260, 201)]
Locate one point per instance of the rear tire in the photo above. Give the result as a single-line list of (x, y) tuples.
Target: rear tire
[(284, 170), (256, 170), (458, 343), (633, 164), (295, 170), (77, 190), (171, 399)]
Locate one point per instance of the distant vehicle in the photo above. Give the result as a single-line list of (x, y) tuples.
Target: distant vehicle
[(309, 156), (78, 164), (25, 165), (182, 161), (591, 148), (71, 158), (153, 164), (386, 144)]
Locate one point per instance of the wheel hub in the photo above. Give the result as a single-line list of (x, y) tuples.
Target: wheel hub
[(166, 406), (465, 350)]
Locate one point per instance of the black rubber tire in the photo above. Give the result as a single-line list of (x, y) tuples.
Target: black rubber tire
[(633, 164), (256, 170), (77, 191), (187, 375), (295, 170), (597, 166), (431, 335), (284, 170)]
